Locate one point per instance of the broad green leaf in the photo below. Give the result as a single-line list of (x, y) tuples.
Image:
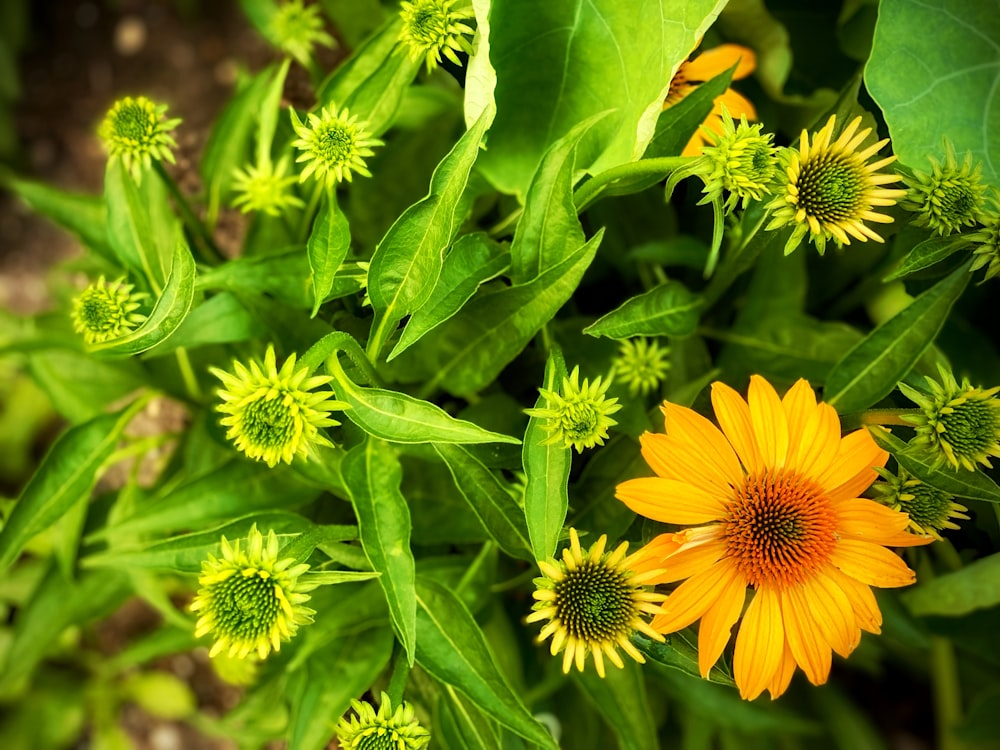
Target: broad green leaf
[(130, 230), (677, 123), (326, 248), (549, 79), (917, 461), (400, 418), (676, 653), (926, 254), (621, 699), (187, 551), (408, 260), (270, 111), (373, 476), (84, 215), (79, 385), (452, 648), (930, 85), (65, 477), (473, 260), (666, 310), (871, 369), (467, 352), (283, 275), (549, 230), (322, 690), (229, 143), (546, 472), (218, 320), (56, 604), (460, 724), (488, 499), (234, 489), (976, 586), (168, 314), (365, 61)]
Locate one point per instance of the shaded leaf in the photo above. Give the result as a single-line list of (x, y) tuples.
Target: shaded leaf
[(926, 254), (666, 310), (621, 699), (976, 586), (327, 248)]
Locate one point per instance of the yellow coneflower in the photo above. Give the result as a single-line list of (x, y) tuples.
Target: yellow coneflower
[(578, 415), (704, 67), (105, 311), (334, 145), (136, 131), (949, 197), (930, 510), (265, 188), (274, 415), (435, 27), (382, 730), (830, 190), (642, 364), (249, 600), (773, 502), (593, 602), (296, 28)]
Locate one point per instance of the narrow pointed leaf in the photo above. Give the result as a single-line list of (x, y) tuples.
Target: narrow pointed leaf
[(621, 699), (546, 473), (453, 649), (870, 370), (488, 499), (373, 475), (327, 247), (408, 260), (667, 310)]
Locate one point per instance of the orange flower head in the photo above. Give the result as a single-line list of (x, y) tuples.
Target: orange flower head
[(772, 499), (705, 67)]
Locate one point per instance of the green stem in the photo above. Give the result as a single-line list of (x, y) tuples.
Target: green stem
[(310, 213), (877, 416), (500, 229), (188, 374), (731, 267), (947, 692), (591, 190), (203, 241)]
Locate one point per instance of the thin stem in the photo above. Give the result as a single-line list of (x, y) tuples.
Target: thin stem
[(500, 229), (591, 190), (188, 374), (310, 213), (202, 238), (947, 692)]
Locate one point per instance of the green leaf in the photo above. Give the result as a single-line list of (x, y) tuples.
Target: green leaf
[(130, 230), (666, 310), (870, 370), (489, 500), (284, 275), (56, 604), (480, 75), (228, 145), (365, 61), (230, 491), (926, 254), (373, 476), (546, 472), (472, 261), (400, 418), (187, 551), (220, 319), (452, 648), (168, 314), (621, 699), (549, 78), (549, 230), (678, 122), (676, 653), (322, 689), (84, 215), (408, 260), (940, 83), (327, 248), (460, 724), (79, 385), (976, 586), (65, 477), (467, 352), (917, 461)]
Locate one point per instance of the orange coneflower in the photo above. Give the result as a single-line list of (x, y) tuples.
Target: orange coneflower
[(773, 498), (705, 67)]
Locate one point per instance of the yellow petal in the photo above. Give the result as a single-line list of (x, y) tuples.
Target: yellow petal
[(717, 623), (736, 105), (871, 564), (852, 471), (691, 599), (781, 679), (671, 501), (833, 613), (691, 561), (810, 649), (711, 62), (705, 439), (734, 419), (866, 612), (770, 427), (672, 458), (869, 521), (760, 644), (813, 431)]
